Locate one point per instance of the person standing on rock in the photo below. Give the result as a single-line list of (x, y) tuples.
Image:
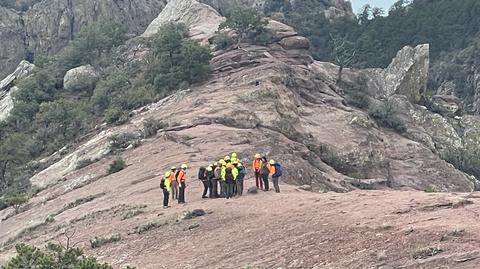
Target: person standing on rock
[(210, 176), (264, 172), (240, 177), (181, 178), (256, 166), (165, 185), (202, 176), (229, 175), (217, 173), (223, 184), (174, 183), (275, 172)]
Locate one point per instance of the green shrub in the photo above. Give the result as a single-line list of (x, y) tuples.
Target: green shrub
[(427, 252), (356, 93), (123, 141), (116, 115), (85, 162), (386, 114), (53, 256), (101, 241), (15, 200), (148, 227), (176, 59), (245, 21), (134, 211), (116, 166), (151, 126), (223, 41)]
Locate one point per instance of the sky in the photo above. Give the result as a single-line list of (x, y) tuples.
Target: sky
[(385, 4)]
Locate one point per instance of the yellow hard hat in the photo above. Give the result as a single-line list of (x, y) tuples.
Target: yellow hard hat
[(184, 166), (271, 162), (258, 156), (234, 155), (168, 174), (227, 158), (215, 164), (209, 169), (173, 168)]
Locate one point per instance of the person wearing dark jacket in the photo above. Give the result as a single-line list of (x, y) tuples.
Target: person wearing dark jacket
[(202, 176), (240, 178), (264, 173)]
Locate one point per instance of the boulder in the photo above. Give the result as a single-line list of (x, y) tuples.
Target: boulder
[(279, 31), (80, 78), (407, 74), (295, 42), (253, 190), (202, 20), (447, 105)]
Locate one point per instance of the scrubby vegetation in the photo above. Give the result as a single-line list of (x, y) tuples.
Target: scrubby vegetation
[(151, 126), (246, 22), (116, 166), (101, 241), (53, 256)]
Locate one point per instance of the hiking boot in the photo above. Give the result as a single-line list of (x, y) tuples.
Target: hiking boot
[(165, 207)]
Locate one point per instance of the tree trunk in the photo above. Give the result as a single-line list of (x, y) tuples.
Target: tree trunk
[(340, 71)]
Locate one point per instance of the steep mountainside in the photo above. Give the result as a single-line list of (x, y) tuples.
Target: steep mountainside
[(275, 99), (49, 25)]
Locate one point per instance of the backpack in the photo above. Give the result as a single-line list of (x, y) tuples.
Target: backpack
[(201, 173), (162, 184), (278, 170), (264, 169), (241, 172), (229, 175)]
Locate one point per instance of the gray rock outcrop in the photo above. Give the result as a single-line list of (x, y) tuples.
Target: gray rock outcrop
[(49, 25), (447, 105), (80, 78), (407, 74), (7, 87), (201, 20)]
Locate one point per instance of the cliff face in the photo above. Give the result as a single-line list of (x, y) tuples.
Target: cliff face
[(49, 25)]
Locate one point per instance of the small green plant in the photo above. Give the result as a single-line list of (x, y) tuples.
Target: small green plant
[(86, 162), (49, 219), (116, 166), (147, 227), (431, 189), (134, 211), (386, 114), (427, 252), (101, 241), (151, 126)]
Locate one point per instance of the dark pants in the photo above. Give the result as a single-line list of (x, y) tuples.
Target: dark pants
[(275, 184), (230, 189), (258, 180), (223, 189), (174, 189), (181, 193), (214, 188), (166, 195), (206, 186), (265, 181), (239, 187)]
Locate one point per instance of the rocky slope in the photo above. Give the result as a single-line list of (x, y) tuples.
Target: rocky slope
[(273, 99), (49, 25)]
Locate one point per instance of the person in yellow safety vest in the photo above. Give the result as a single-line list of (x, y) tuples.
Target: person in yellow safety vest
[(223, 184), (166, 187), (229, 175)]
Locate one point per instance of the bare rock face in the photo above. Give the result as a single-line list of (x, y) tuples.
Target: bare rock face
[(225, 6), (12, 48), (7, 87), (49, 25), (295, 42), (407, 74), (201, 19), (447, 105), (80, 78)]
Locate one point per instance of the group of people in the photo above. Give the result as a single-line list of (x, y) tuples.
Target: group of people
[(222, 179)]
